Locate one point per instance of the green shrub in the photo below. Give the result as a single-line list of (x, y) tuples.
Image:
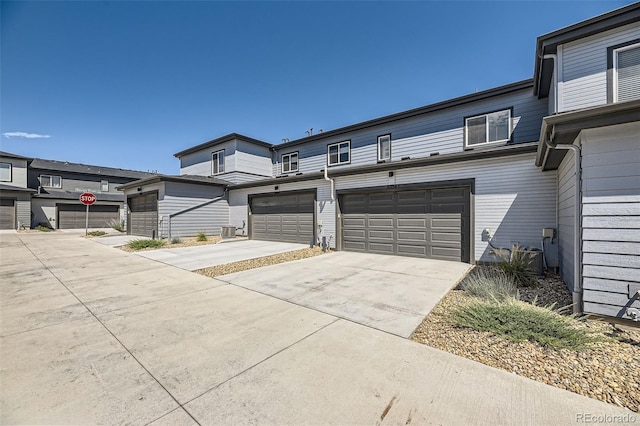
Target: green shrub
[(43, 228), (519, 321), (175, 240), (517, 266), (201, 236), (489, 283), (145, 243), (96, 233), (118, 225)]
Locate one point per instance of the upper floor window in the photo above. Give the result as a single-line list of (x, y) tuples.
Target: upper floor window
[(494, 127), (626, 73), (339, 153), (5, 172), (384, 147), (290, 162), (104, 185), (51, 181), (217, 162)]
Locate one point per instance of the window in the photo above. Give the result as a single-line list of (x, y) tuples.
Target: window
[(290, 162), (494, 127), (104, 185), (384, 147), (217, 162), (5, 172), (339, 153), (51, 181), (626, 73)]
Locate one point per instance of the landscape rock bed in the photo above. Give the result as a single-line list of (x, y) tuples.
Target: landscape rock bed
[(184, 242), (259, 262), (608, 370)]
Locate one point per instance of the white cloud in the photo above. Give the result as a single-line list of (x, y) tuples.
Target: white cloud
[(24, 135)]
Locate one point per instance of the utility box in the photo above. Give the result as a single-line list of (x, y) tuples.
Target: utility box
[(228, 232)]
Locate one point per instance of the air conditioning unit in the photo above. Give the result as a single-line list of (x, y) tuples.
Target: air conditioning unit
[(228, 231)]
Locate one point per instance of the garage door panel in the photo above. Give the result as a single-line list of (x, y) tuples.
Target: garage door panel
[(444, 237), (446, 252), (381, 235), (412, 250), (380, 222), (381, 248), (74, 216), (412, 222), (283, 217), (415, 236), (447, 193)]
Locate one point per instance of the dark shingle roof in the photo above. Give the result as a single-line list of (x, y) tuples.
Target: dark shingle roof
[(65, 166), (10, 155), (4, 187), (75, 195)]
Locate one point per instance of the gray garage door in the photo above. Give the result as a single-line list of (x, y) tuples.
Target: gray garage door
[(143, 215), (73, 216), (7, 214), (283, 217), (431, 223)]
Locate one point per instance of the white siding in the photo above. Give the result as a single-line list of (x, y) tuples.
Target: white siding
[(583, 77), (325, 207), (566, 217), (512, 197), (206, 217), (611, 218)]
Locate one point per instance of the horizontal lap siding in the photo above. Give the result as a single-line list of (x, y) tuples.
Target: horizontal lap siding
[(611, 218), (440, 131), (512, 197), (566, 217), (208, 218), (583, 80)]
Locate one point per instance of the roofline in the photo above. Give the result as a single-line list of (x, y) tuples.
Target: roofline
[(548, 43), (17, 189), (508, 150), (16, 156), (107, 168), (226, 138), (165, 178), (562, 129), (496, 91)]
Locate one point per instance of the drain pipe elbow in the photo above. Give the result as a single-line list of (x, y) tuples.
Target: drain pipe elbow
[(333, 185)]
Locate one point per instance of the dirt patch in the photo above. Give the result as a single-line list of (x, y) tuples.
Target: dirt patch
[(607, 371), (259, 262), (184, 242)]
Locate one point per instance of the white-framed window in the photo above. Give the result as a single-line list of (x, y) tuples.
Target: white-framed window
[(494, 127), (339, 153), (290, 162), (217, 162), (104, 186), (626, 73), (49, 181), (384, 147), (5, 172)]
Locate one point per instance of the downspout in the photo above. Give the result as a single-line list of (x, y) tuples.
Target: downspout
[(555, 79), (577, 226), (326, 177)]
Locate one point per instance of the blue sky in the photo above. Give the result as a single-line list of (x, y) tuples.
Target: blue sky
[(127, 84)]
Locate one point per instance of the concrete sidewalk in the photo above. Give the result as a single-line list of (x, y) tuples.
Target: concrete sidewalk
[(92, 335)]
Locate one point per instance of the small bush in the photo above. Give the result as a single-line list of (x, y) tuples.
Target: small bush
[(201, 236), (118, 225), (96, 233), (145, 243), (175, 240), (43, 228), (517, 266), (489, 284), (518, 321)]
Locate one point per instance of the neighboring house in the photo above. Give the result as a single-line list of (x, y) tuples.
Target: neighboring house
[(15, 195), (59, 184), (550, 163)]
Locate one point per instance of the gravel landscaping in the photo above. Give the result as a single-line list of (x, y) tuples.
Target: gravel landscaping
[(259, 262), (184, 242), (609, 370)]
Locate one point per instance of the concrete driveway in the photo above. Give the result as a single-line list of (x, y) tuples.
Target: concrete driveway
[(197, 257), (92, 335), (388, 293)]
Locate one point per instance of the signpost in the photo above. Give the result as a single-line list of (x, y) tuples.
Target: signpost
[(87, 198)]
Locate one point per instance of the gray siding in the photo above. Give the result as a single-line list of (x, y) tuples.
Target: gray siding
[(199, 163), (583, 67), (74, 182), (240, 177), (23, 210), (566, 218), (611, 218), (440, 131), (18, 172), (206, 217)]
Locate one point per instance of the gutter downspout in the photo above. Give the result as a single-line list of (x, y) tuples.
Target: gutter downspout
[(577, 226), (333, 185)]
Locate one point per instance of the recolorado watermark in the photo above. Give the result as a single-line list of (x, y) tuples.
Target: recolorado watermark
[(606, 418)]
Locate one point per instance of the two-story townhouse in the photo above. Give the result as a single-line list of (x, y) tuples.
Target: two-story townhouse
[(590, 75), (456, 179), (15, 195), (59, 184)]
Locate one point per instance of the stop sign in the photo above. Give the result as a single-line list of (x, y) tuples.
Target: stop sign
[(87, 198)]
